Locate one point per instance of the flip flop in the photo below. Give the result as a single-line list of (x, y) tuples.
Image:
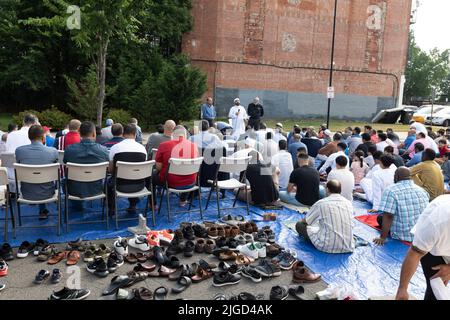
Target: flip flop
[(182, 284), (57, 257), (121, 294), (297, 292), (117, 282), (160, 293), (73, 258)]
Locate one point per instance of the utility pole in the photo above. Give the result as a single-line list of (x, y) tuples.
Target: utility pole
[(332, 63)]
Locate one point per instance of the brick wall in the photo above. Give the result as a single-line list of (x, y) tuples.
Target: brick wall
[(285, 45)]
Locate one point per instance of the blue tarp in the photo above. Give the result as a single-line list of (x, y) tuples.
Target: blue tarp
[(370, 271)]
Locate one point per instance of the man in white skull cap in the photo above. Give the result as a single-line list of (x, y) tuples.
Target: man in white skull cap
[(238, 115)]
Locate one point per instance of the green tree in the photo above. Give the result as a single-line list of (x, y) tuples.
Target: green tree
[(174, 93), (103, 21), (425, 71), (83, 95)]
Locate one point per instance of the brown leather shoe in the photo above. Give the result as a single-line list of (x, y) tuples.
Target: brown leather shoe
[(212, 232), (227, 231), (201, 275), (254, 227), (57, 257), (221, 231), (234, 231), (303, 275), (228, 255), (210, 246), (73, 258), (200, 246), (246, 228)]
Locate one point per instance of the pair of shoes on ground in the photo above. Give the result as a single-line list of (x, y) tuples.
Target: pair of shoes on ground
[(27, 247), (43, 275), (102, 268), (283, 292)]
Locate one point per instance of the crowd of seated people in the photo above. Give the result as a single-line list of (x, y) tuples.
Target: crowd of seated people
[(304, 167)]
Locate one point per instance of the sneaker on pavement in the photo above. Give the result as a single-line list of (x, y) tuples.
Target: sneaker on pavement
[(6, 252), (39, 245), (279, 293), (70, 294), (268, 269), (225, 279), (98, 267), (121, 246), (249, 250), (140, 243), (3, 268), (251, 274), (24, 249)]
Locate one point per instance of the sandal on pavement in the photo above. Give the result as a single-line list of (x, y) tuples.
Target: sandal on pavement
[(57, 257), (160, 293), (73, 258), (182, 284)]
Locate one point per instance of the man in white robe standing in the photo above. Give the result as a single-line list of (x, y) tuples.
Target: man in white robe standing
[(238, 115)]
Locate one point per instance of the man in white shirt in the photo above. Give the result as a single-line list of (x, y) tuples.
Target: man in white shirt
[(205, 139), (279, 134), (270, 148), (366, 182), (382, 179), (430, 247), (344, 176), (329, 223), (129, 151), (238, 115), (20, 137), (249, 150), (331, 160), (283, 161), (430, 143)]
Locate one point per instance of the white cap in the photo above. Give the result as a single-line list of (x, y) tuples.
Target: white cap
[(327, 132), (279, 124), (237, 100), (250, 142)]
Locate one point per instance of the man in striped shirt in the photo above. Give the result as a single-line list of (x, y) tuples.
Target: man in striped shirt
[(329, 223)]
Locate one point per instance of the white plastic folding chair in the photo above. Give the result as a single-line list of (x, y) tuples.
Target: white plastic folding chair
[(134, 171), (8, 159), (183, 167), (5, 200), (38, 174), (231, 166), (86, 173)]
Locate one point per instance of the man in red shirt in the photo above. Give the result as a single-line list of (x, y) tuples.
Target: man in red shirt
[(179, 148), (443, 147), (72, 137)]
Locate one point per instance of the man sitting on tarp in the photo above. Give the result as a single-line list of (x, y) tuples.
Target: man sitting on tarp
[(402, 204), (329, 223), (431, 247)]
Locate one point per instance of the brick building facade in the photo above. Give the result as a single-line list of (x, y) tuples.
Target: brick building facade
[(280, 50)]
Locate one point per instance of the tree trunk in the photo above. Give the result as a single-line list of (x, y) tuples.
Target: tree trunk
[(101, 77)]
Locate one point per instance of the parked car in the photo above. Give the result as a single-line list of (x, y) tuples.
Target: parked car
[(442, 118), (424, 113)]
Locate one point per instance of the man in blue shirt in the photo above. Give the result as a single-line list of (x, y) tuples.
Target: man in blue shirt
[(402, 204), (86, 152), (117, 132), (295, 145), (209, 112), (37, 153), (418, 149)]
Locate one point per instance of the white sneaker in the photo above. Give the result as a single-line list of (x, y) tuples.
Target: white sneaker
[(261, 249), (121, 246), (140, 243), (249, 250)]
